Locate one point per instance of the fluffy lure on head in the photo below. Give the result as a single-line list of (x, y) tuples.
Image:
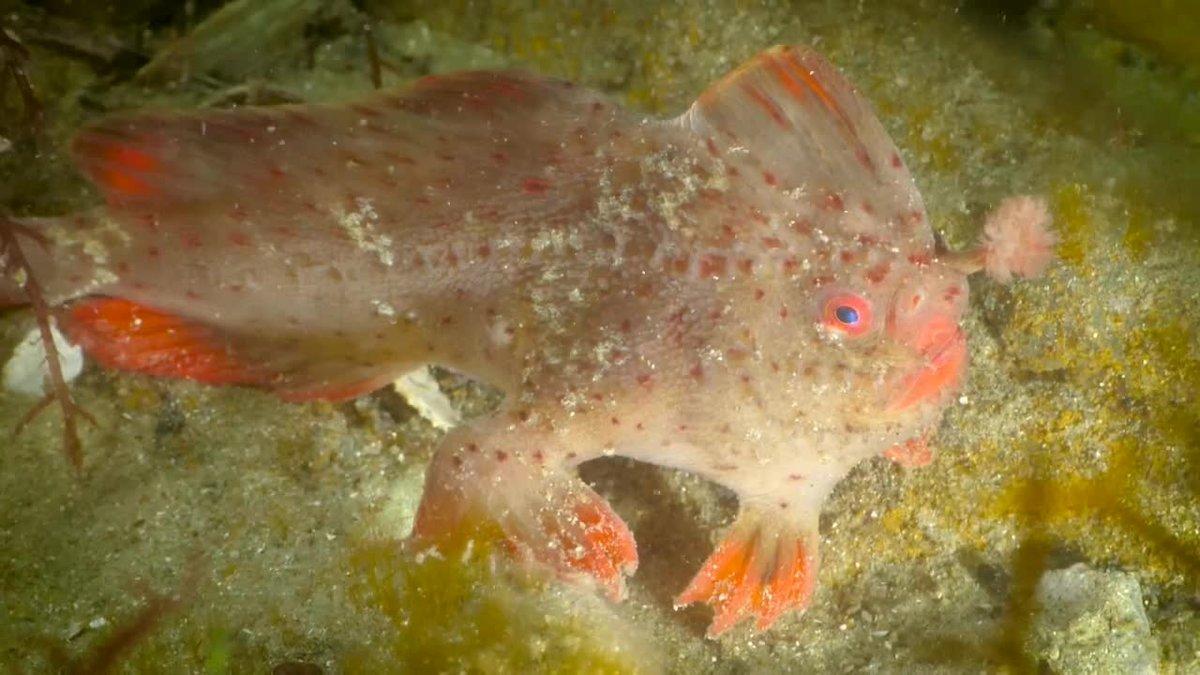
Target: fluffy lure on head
[(1017, 240)]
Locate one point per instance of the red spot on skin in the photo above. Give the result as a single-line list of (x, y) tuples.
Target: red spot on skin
[(896, 163), (746, 265), (770, 178), (484, 251), (597, 397), (832, 202), (913, 218), (501, 456), (276, 172), (867, 240), (864, 158), (626, 326), (471, 447), (712, 265), (645, 379), (500, 157), (192, 295), (867, 208), (681, 265), (711, 145), (153, 252), (640, 427), (847, 256), (878, 273), (535, 186), (795, 476), (191, 240), (775, 366), (803, 227), (791, 266), (616, 422), (783, 312), (920, 259), (239, 238), (772, 242), (447, 320)]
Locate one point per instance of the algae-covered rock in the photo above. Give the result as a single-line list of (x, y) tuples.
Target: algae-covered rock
[(1092, 622)]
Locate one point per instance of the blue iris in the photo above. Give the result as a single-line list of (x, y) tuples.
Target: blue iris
[(847, 315)]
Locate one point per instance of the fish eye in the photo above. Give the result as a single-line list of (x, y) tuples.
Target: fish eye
[(848, 313)]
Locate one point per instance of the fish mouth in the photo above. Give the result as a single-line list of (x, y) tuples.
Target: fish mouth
[(945, 361)]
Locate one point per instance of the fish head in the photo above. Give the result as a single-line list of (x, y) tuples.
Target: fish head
[(888, 334)]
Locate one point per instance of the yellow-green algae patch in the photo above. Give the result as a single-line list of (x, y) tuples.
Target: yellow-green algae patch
[(457, 605)]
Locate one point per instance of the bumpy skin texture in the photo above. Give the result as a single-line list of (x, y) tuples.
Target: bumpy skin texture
[(677, 291)]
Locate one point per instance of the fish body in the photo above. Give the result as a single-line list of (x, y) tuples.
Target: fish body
[(750, 291)]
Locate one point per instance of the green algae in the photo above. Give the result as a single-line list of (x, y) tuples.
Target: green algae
[(449, 609)]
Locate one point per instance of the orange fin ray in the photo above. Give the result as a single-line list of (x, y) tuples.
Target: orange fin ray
[(761, 570), (125, 335), (547, 517), (911, 454)]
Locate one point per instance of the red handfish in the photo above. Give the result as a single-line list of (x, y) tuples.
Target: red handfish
[(750, 291)]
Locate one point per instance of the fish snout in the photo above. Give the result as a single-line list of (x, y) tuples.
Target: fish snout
[(941, 358)]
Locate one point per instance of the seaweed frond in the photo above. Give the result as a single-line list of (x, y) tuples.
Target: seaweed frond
[(14, 264), (13, 58)]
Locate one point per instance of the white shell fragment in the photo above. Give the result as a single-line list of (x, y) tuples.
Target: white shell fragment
[(421, 391), (26, 371)]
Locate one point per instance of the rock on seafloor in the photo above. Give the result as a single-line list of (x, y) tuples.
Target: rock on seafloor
[(1092, 622)]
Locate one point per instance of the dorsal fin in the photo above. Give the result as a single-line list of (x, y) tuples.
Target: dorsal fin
[(789, 114)]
